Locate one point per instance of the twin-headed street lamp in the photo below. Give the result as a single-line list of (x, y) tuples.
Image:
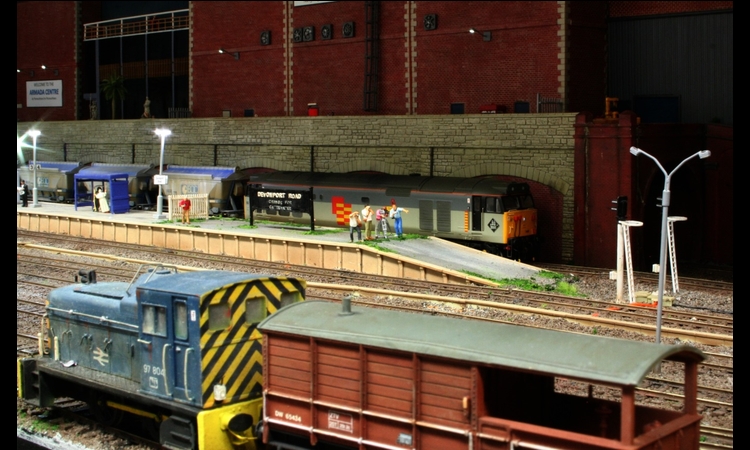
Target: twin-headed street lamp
[(665, 200), (162, 133)]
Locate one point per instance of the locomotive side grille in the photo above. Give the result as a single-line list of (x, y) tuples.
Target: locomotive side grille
[(444, 216), (425, 215)]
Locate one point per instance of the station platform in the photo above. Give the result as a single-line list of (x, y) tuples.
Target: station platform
[(434, 251)]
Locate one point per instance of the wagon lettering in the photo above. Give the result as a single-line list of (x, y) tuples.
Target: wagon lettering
[(288, 416), (340, 422), (293, 417)]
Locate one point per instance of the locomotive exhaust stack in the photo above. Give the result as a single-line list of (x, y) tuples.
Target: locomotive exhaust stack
[(87, 276)]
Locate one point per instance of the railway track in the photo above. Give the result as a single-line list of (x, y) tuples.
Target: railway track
[(720, 284), (58, 267), (709, 328), (371, 296)]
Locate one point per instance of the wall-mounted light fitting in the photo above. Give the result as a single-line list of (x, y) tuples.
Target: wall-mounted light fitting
[(44, 67), (235, 54), (486, 35)]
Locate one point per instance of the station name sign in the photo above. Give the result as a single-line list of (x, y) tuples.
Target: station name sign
[(281, 200)]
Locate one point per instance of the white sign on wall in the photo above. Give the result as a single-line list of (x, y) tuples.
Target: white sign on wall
[(301, 3), (47, 93)]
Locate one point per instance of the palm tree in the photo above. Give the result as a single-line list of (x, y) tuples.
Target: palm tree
[(113, 89)]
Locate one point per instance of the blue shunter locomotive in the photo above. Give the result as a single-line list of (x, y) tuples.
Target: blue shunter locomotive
[(179, 348)]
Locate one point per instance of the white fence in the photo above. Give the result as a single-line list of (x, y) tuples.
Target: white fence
[(198, 206)]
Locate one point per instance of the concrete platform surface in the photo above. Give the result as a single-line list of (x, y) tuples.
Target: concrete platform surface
[(431, 250)]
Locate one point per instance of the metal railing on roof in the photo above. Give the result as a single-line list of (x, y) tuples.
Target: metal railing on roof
[(137, 25), (548, 104)]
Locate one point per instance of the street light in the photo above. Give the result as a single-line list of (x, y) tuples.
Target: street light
[(162, 133), (665, 199), (34, 134)]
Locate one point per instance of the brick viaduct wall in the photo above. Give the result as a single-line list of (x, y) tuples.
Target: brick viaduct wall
[(538, 148)]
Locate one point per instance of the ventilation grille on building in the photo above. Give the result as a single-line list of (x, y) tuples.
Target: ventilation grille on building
[(326, 32), (308, 34), (430, 22), (348, 30)]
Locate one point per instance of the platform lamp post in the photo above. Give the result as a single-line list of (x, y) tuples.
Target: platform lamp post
[(34, 134), (19, 154), (162, 133), (665, 200)]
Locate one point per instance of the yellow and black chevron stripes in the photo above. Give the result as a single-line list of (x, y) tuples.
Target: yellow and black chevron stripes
[(239, 367), (233, 356)]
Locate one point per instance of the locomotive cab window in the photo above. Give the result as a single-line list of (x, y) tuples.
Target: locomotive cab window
[(493, 205), (255, 310), (181, 321), (290, 297), (155, 320), (510, 203), (219, 317)]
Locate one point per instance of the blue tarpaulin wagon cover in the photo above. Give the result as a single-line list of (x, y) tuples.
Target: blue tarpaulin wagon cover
[(119, 197)]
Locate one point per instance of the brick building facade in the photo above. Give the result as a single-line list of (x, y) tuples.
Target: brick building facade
[(426, 64)]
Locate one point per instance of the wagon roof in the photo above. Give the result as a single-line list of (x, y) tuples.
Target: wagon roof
[(96, 170), (215, 172), (593, 358), (201, 282), (382, 181), (62, 166)]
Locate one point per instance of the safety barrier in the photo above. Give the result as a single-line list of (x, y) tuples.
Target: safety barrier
[(198, 206), (180, 113), (548, 104)]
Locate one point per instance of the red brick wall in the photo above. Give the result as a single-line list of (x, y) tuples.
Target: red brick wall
[(454, 66), (720, 194), (701, 190), (256, 80), (392, 98), (451, 65), (330, 73), (45, 34), (603, 172), (587, 78), (630, 8)]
